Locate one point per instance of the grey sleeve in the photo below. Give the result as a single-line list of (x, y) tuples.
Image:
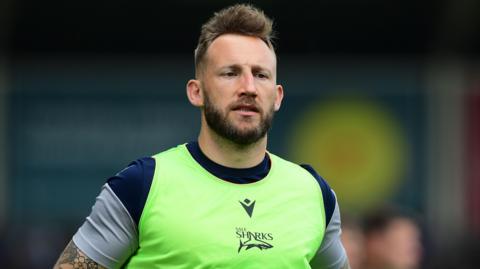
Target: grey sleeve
[(109, 235), (331, 254)]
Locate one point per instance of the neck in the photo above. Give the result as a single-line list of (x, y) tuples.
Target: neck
[(230, 154)]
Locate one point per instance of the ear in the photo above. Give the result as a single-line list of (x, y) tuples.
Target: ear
[(194, 92), (279, 97)]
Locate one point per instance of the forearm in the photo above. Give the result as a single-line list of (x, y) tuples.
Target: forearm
[(72, 257)]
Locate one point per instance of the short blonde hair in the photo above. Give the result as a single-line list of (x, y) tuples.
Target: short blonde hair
[(237, 19)]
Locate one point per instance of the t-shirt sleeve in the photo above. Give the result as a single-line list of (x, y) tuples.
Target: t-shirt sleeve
[(109, 236), (331, 254)]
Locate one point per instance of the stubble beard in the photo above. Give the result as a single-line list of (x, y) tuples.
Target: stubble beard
[(219, 122)]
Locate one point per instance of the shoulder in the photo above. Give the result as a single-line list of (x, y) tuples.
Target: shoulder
[(172, 153), (132, 184), (329, 199), (287, 165)]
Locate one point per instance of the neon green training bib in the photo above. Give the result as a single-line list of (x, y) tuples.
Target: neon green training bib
[(194, 220)]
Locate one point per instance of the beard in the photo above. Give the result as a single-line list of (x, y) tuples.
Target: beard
[(219, 122)]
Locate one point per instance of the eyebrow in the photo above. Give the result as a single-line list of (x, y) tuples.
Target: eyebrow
[(255, 68), (262, 69), (234, 67)]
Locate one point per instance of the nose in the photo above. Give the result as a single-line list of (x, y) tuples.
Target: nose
[(248, 84)]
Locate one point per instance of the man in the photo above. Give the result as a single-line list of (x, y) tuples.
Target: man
[(392, 240), (223, 201)]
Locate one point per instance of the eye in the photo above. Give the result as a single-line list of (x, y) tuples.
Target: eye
[(229, 74), (262, 75)]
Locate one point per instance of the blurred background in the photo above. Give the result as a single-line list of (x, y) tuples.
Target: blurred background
[(382, 98)]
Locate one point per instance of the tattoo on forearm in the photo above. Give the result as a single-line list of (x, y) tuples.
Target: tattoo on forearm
[(72, 257)]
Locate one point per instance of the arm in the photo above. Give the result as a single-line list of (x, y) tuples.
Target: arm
[(109, 236), (72, 257), (331, 253)]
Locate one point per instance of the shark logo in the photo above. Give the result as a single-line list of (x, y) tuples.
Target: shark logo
[(254, 244), (248, 206), (250, 240)]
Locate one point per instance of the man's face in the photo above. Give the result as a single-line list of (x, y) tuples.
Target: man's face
[(238, 82), (403, 248)]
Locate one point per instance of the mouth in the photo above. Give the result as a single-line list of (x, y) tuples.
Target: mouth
[(246, 109)]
